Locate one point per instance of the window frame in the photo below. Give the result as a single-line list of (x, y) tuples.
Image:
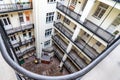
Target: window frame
[(48, 32), (100, 10), (47, 43), (49, 17)]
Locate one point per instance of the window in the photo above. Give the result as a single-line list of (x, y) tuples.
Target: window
[(116, 22), (73, 2), (17, 49), (24, 34), (58, 16), (49, 17), (47, 43), (51, 1), (5, 20), (98, 43), (29, 33), (67, 21), (87, 35), (74, 27), (48, 32), (12, 38), (100, 10), (21, 17)]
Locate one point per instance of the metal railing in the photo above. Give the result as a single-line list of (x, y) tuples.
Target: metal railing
[(82, 45), (63, 29), (26, 51), (20, 43), (4, 8), (61, 44), (18, 68), (18, 29), (98, 31)]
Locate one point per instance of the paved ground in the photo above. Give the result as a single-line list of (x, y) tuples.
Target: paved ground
[(50, 69)]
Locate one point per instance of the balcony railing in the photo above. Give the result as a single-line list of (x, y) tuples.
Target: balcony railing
[(63, 29), (98, 31), (18, 29), (82, 45), (4, 8), (59, 42), (20, 43), (58, 53), (26, 51), (77, 59), (70, 66), (89, 51)]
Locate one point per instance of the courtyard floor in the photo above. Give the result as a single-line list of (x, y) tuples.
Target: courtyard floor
[(50, 69)]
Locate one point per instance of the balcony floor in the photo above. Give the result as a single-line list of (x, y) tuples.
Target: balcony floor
[(50, 69)]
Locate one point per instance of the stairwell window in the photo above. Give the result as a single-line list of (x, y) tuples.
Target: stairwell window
[(51, 1), (21, 17), (49, 17), (100, 10), (48, 32), (47, 43)]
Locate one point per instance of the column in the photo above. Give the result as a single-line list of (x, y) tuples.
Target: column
[(38, 43), (87, 9), (65, 56), (76, 33)]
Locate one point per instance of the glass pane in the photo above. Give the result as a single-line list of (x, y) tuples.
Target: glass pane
[(8, 20), (5, 21)]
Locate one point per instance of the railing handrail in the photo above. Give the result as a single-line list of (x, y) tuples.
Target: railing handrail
[(65, 77), (78, 21)]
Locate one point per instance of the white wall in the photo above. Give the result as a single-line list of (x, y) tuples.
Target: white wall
[(6, 72)]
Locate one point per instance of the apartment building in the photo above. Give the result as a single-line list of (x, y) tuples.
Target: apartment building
[(75, 31)]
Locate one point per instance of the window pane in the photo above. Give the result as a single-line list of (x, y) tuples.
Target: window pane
[(5, 21), (8, 21)]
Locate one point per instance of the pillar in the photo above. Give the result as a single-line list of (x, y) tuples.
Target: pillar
[(76, 33), (86, 10)]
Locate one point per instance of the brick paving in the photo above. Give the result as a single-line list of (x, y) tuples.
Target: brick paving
[(50, 69)]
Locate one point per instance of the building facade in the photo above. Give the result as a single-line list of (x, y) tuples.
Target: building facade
[(77, 30)]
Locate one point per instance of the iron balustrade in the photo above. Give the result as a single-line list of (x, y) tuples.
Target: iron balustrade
[(89, 51), (98, 31), (73, 76), (59, 42), (70, 66), (4, 8), (63, 29), (26, 51), (21, 43), (20, 28), (78, 59), (82, 45)]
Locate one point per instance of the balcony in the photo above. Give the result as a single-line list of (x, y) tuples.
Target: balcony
[(60, 42), (28, 50), (63, 29), (81, 44), (20, 43), (89, 51), (21, 28), (58, 53), (70, 66), (103, 34), (6, 8), (77, 59)]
